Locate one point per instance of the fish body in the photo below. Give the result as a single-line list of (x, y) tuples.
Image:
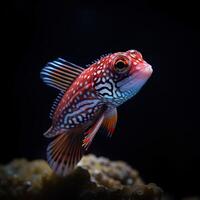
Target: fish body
[(88, 100)]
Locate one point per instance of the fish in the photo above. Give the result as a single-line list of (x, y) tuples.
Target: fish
[(87, 102)]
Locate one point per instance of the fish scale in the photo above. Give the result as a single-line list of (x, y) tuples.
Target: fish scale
[(88, 100)]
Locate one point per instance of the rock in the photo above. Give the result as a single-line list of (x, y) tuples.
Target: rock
[(93, 178)]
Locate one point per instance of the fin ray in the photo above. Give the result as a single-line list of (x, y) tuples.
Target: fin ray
[(55, 103), (70, 64), (60, 74), (89, 135), (62, 153), (110, 121)]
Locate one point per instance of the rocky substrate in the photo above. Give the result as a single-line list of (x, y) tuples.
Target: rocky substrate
[(93, 179)]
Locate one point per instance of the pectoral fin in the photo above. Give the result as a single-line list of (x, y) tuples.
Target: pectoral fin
[(110, 121)]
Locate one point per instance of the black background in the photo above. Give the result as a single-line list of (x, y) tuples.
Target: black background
[(157, 131)]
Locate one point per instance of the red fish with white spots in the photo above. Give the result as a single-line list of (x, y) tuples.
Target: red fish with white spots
[(87, 101)]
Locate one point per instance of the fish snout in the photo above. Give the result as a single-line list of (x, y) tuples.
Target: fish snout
[(144, 69)]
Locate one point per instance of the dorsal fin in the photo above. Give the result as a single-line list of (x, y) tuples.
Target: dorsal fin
[(60, 74), (55, 103)]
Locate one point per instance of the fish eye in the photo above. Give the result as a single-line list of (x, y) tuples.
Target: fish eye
[(121, 65)]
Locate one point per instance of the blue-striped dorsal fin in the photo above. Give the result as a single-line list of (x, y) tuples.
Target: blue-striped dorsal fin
[(60, 74), (55, 103)]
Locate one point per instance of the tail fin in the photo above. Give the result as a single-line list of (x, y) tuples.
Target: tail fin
[(64, 152)]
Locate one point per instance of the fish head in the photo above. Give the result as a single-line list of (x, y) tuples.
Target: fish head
[(126, 73), (130, 70)]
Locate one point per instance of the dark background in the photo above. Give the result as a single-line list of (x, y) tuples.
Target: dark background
[(157, 131)]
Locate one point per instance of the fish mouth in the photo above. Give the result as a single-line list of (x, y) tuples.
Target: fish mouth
[(136, 79)]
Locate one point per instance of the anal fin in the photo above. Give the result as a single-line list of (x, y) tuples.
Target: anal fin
[(89, 135)]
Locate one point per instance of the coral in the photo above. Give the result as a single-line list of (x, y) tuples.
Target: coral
[(93, 178)]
